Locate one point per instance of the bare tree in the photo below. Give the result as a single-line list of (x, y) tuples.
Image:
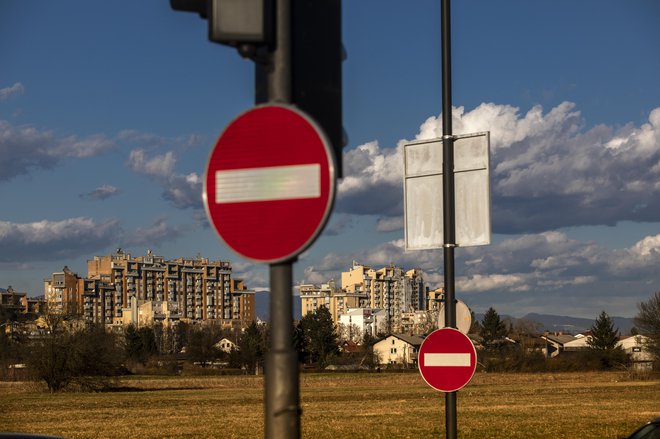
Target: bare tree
[(648, 323)]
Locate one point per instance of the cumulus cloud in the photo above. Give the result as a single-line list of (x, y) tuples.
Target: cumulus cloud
[(7, 92), (389, 224), (101, 193), (183, 191), (52, 240), (547, 170), (25, 148), (155, 141), (338, 223), (156, 233), (372, 182)]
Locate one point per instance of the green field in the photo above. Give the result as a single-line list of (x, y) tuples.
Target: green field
[(379, 405)]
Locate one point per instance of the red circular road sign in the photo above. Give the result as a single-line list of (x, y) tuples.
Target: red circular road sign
[(447, 359), (270, 183)]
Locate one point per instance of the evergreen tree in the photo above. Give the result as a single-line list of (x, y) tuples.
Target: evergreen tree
[(140, 344), (493, 329), (320, 337), (201, 344), (603, 342), (604, 336), (251, 348), (648, 323)]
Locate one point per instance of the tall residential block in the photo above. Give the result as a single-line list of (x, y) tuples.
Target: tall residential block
[(118, 286), (63, 293), (392, 289), (389, 288)]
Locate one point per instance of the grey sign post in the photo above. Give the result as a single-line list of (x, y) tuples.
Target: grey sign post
[(424, 220)]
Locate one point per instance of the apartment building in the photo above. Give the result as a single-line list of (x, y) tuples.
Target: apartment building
[(14, 304), (63, 293), (190, 289), (389, 288), (337, 300), (395, 291)]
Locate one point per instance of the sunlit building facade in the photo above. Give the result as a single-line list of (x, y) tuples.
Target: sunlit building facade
[(185, 289)]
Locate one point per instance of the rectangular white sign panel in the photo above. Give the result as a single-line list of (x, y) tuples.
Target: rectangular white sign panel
[(447, 360), (268, 184), (423, 216)]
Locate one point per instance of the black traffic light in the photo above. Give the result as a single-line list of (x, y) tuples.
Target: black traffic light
[(317, 56), (316, 52)]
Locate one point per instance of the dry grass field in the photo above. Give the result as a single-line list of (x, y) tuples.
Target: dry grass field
[(385, 405)]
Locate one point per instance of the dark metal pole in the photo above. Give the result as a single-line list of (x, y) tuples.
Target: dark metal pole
[(281, 386), (449, 231)]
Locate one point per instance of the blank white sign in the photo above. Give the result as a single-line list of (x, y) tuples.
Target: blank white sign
[(423, 211)]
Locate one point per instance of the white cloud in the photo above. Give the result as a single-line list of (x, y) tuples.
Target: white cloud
[(24, 149), (502, 282), (150, 140), (158, 166), (53, 240), (647, 246), (389, 224), (89, 147), (372, 182), (101, 193), (547, 170), (153, 235), (183, 191), (7, 92)]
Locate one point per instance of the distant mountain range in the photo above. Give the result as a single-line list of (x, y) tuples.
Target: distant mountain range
[(576, 325), (546, 322)]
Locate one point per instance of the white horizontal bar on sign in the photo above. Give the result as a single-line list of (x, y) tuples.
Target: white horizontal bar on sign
[(268, 184), (447, 360)]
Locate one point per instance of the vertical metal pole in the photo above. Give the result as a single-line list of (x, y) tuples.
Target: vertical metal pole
[(282, 400), (281, 386), (449, 230)]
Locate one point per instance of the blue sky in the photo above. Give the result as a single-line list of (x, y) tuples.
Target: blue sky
[(108, 113)]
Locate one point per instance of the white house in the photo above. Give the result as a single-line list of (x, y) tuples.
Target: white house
[(633, 345), (225, 345), (398, 349), (357, 321)]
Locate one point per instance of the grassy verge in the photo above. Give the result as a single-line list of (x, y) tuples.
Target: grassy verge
[(385, 405)]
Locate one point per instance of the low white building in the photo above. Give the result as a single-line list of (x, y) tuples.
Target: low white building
[(354, 323), (633, 345), (398, 349), (225, 345)]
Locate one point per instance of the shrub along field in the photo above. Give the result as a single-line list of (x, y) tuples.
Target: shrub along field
[(370, 405)]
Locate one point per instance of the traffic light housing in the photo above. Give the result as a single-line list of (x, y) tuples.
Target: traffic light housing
[(235, 23), (317, 56)]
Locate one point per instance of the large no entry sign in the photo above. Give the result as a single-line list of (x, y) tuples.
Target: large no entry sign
[(447, 360), (270, 183)]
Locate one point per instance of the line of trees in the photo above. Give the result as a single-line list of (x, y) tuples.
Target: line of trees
[(69, 352)]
